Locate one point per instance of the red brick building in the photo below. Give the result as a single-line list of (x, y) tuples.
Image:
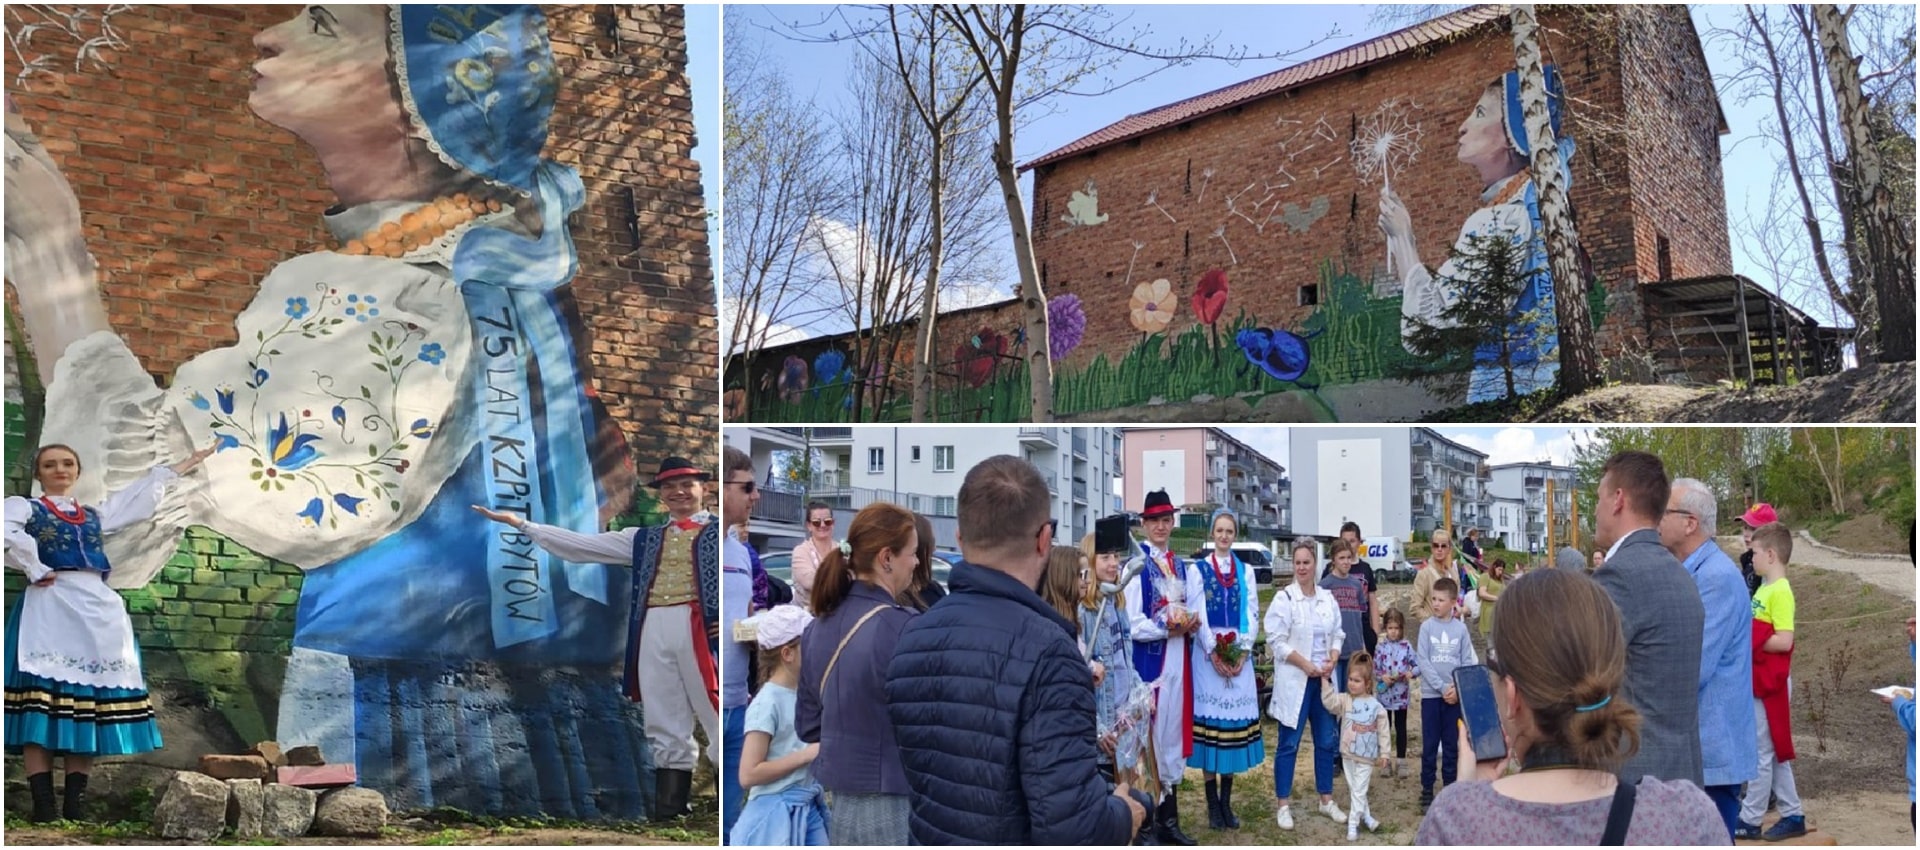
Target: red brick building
[(1268, 180)]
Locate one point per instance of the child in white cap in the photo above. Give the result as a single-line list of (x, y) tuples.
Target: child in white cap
[(783, 808)]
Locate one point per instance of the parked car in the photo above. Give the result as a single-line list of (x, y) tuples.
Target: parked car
[(1259, 557), (780, 565)]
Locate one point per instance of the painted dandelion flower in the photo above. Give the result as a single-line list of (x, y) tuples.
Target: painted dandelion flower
[(1387, 142)]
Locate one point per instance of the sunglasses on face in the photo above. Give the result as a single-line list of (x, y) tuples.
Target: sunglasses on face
[(745, 486), (822, 523)]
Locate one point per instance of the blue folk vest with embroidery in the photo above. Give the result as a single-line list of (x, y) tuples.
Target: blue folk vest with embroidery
[(66, 546), (1150, 656), (1223, 603)]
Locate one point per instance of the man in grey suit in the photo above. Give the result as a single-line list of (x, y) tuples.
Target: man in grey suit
[(1661, 613)]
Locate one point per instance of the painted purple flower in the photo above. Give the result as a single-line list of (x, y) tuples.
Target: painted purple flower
[(1066, 324)]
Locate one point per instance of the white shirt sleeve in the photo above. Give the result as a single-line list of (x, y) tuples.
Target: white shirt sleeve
[(134, 502), (1279, 626), (23, 552), (611, 547)]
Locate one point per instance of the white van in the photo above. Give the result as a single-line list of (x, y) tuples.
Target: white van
[(1388, 557)]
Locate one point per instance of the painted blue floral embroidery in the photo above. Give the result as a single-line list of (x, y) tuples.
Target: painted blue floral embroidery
[(433, 353), (297, 308), (313, 512), (200, 401), (348, 503)]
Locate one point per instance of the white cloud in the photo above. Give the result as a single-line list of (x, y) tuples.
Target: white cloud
[(777, 333), (960, 295), (1515, 445)]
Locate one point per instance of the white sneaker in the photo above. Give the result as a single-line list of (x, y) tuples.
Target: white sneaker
[(1353, 832), (1372, 824), (1284, 817), (1332, 809)]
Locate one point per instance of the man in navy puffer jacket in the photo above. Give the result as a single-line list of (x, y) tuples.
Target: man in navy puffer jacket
[(991, 700)]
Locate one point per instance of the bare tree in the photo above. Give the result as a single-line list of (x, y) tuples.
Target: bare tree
[(1869, 194), (779, 182), (1579, 359)]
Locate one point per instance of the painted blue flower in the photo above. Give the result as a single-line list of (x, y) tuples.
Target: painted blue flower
[(421, 428), (432, 353), (339, 415), (258, 380), (225, 394), (353, 299), (201, 402), (222, 442), (312, 513), (348, 503), (828, 366), (289, 450), (297, 308), (372, 299)]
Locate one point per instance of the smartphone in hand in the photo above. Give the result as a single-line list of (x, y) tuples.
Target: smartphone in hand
[(1481, 712)]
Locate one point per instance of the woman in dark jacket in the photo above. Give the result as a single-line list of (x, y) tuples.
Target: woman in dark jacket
[(923, 591), (844, 654)]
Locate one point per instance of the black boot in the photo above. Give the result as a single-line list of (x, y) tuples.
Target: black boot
[(1170, 822), (1226, 802), (1214, 821), (74, 803), (41, 784), (670, 790)]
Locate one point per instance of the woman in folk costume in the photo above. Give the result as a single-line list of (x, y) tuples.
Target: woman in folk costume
[(73, 680), (1107, 640), (1159, 619), (1226, 701), (1493, 141)]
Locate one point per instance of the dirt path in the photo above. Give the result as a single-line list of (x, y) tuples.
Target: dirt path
[(1888, 572)]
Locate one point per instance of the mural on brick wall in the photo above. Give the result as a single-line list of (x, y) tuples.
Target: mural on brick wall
[(1358, 331), (430, 360)]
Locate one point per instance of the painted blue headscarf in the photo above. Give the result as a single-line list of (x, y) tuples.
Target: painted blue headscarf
[(479, 83), (1515, 120)]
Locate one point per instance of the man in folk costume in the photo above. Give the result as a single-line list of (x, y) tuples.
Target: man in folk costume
[(1160, 621), (673, 624)]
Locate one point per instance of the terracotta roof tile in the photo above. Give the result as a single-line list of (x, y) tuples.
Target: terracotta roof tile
[(1362, 54)]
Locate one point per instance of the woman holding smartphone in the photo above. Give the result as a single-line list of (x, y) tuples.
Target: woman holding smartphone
[(1558, 662)]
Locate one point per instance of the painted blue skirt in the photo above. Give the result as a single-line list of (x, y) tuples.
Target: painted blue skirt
[(67, 718), (795, 817)]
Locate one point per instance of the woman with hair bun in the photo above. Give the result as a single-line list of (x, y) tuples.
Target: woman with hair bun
[(1559, 661)]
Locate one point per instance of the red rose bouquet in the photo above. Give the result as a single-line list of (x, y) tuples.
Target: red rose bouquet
[(1226, 646)]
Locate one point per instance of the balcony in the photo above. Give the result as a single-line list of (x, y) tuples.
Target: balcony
[(1080, 491), (832, 480), (832, 435), (778, 506), (1048, 437), (1053, 481), (1079, 443), (797, 432)]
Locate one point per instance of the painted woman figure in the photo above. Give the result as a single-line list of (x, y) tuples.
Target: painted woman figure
[(1226, 701), (73, 677), (1493, 140), (432, 359)]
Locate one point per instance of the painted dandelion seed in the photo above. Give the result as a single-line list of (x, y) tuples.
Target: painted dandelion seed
[(1220, 233), (1136, 255), (1153, 200), (92, 30)]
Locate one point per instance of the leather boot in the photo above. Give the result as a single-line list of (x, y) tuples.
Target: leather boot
[(41, 784), (1226, 802), (1170, 822), (1214, 821), (670, 790), (74, 802)]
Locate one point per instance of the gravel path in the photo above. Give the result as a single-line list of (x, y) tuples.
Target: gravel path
[(1888, 572)]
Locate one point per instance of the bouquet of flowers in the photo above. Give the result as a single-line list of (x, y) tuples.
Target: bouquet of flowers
[(1173, 589), (1131, 721), (1226, 645)]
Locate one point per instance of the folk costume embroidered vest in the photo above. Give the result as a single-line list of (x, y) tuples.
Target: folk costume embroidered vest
[(68, 541)]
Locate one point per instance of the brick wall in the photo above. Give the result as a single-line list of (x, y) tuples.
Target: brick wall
[(1620, 193), (189, 199)]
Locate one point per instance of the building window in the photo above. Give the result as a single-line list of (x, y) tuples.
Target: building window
[(914, 502), (944, 506), (1663, 256), (942, 458), (1309, 295), (916, 454), (876, 460)]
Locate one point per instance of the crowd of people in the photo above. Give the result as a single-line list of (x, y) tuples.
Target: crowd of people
[(1061, 694)]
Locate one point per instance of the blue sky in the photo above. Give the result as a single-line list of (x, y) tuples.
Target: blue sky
[(703, 73), (820, 71)]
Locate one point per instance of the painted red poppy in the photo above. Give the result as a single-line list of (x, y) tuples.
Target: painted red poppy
[(977, 356), (1210, 297)]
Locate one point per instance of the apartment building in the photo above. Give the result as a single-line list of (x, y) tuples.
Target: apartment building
[(1523, 488), (1206, 467), (1392, 481)]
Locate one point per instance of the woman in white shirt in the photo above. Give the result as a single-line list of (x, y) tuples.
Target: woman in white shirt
[(1304, 634), (811, 552)]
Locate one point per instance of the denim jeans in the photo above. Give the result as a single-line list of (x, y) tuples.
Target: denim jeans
[(1439, 740), (1326, 744), (733, 721)]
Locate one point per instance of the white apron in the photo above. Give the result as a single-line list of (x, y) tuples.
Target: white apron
[(77, 630)]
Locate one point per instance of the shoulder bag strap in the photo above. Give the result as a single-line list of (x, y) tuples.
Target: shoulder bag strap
[(842, 647), (1619, 816)]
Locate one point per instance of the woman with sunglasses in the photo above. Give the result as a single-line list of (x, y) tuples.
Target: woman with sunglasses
[(1440, 564), (1558, 662), (812, 552)]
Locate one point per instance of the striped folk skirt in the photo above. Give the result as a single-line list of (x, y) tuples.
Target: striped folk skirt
[(1226, 720), (69, 718)]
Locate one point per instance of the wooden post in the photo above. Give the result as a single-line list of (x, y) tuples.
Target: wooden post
[(1746, 341), (1446, 514), (1573, 533)]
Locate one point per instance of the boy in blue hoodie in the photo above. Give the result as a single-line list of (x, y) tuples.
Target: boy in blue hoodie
[(1902, 702)]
